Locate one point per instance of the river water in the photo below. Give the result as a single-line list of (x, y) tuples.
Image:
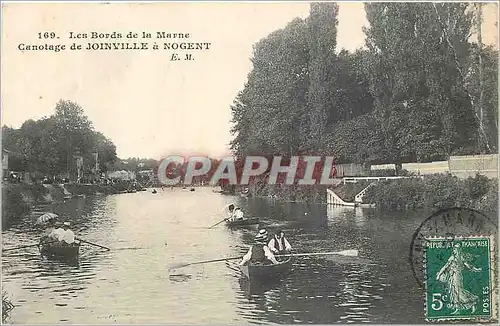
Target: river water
[(148, 232)]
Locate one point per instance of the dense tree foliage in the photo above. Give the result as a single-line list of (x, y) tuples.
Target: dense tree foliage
[(420, 90), (49, 146)]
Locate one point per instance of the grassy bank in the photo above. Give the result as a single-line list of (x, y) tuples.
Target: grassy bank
[(18, 199), (434, 192), (289, 193)]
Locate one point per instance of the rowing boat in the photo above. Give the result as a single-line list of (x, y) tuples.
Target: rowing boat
[(254, 221), (66, 252), (267, 272)]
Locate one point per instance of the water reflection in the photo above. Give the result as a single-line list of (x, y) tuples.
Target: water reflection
[(253, 289), (149, 232)]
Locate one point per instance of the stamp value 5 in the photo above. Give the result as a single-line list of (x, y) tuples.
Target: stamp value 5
[(459, 280)]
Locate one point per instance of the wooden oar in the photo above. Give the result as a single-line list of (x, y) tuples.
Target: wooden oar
[(27, 246), (351, 253), (175, 266), (219, 222), (21, 247), (94, 244)]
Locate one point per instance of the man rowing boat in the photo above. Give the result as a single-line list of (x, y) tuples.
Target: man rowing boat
[(235, 213), (259, 253), (279, 244)]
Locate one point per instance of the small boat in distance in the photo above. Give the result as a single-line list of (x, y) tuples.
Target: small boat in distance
[(253, 221), (267, 272), (245, 193)]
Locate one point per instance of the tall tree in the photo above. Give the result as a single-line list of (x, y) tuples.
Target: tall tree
[(321, 98), (267, 113), (420, 100)]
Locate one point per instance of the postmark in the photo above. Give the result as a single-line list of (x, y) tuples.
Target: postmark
[(448, 223), (459, 282)]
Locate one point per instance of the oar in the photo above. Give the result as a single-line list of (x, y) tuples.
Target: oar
[(21, 247), (26, 246), (351, 253), (219, 222), (222, 210), (203, 262), (94, 244)]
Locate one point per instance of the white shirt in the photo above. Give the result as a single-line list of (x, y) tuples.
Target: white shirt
[(68, 236), (57, 234), (237, 215), (269, 255), (276, 245)]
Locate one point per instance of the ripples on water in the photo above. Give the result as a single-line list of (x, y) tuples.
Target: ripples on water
[(147, 233)]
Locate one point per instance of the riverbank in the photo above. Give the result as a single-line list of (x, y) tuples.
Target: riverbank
[(19, 199), (432, 192), (289, 193)]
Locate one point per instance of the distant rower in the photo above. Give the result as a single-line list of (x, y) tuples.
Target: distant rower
[(237, 215)]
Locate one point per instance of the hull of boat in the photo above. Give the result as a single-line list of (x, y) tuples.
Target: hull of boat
[(244, 223), (266, 272), (65, 252)]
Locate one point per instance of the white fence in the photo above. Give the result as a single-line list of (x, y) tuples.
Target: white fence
[(427, 168), (460, 166), (469, 166)]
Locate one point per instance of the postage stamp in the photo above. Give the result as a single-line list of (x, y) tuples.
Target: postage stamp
[(449, 223), (460, 281)]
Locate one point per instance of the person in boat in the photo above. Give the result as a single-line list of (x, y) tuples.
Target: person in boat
[(49, 234), (259, 253), (68, 236), (230, 213), (279, 244), (237, 215), (57, 234)]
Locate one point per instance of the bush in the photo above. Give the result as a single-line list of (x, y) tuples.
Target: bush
[(14, 204), (435, 192), (478, 186), (489, 202)]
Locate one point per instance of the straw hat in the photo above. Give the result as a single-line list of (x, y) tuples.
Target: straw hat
[(261, 236)]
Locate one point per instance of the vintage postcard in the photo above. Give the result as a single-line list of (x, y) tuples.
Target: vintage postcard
[(249, 162)]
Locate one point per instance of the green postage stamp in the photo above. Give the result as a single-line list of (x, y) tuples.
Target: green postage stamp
[(460, 274)]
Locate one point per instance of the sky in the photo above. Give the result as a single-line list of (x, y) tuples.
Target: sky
[(148, 105)]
